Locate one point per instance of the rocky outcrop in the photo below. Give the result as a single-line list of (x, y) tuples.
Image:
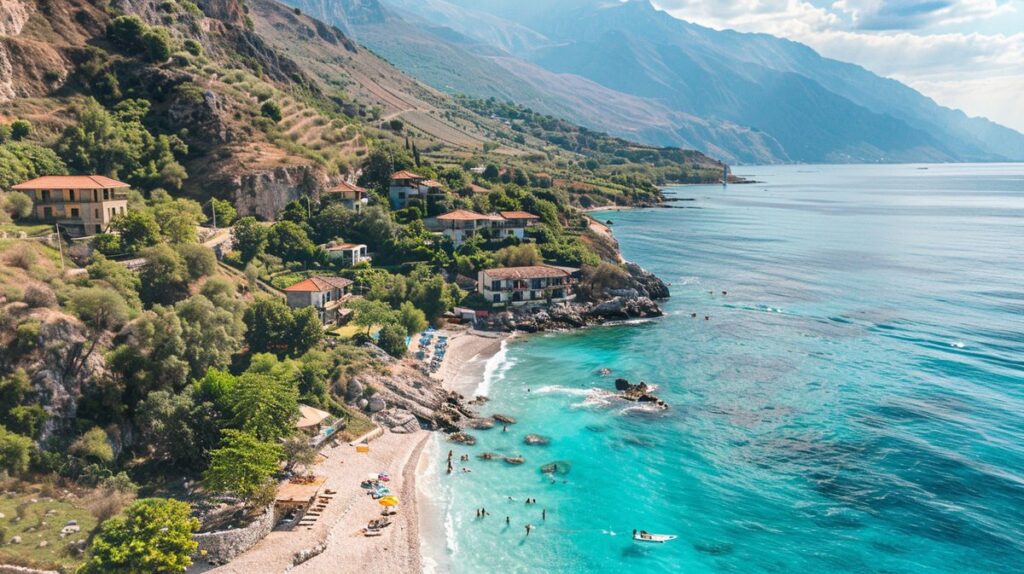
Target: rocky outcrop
[(13, 15), (645, 283), (265, 193), (573, 315), (640, 393)]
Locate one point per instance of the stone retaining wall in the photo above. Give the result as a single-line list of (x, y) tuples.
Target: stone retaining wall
[(221, 547), (7, 569)]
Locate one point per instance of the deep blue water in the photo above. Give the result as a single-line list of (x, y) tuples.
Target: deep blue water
[(854, 404)]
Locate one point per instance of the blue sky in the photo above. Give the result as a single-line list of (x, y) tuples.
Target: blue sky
[(966, 54)]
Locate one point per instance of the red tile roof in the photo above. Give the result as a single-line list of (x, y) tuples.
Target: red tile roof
[(319, 284), (345, 186), (518, 215), (432, 183), (465, 215), (71, 182), (532, 272), (406, 174)]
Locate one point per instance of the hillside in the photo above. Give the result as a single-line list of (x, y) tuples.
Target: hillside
[(754, 97)]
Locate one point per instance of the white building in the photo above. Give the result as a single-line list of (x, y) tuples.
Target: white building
[(326, 294), (538, 284), (348, 194), (349, 254)]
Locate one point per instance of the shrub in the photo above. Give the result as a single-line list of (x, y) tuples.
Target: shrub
[(126, 33), (157, 44), (193, 47), (39, 296), (20, 130), (107, 243), (392, 340), (271, 110), (17, 204)]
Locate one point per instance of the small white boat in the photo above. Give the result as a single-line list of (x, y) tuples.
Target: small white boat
[(644, 536)]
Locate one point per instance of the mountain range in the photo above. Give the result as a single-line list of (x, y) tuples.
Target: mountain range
[(635, 71)]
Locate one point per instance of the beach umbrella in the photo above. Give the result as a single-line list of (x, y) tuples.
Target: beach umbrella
[(388, 501)]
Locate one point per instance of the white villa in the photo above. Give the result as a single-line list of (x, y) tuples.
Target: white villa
[(326, 294), (461, 224), (539, 284), (406, 185), (349, 254)]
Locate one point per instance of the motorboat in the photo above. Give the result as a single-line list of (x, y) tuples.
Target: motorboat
[(644, 536)]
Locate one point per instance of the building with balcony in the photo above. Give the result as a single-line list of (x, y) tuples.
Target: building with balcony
[(326, 294), (538, 284), (80, 204), (349, 254), (461, 224), (348, 194), (406, 185)]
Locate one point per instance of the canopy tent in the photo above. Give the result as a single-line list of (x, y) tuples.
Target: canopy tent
[(310, 417)]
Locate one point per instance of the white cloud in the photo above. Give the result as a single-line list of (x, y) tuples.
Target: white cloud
[(982, 74)]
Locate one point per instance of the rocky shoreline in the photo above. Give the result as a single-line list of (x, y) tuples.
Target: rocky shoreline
[(636, 300)]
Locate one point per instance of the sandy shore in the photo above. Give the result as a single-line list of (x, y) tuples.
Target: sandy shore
[(395, 551), (337, 530)]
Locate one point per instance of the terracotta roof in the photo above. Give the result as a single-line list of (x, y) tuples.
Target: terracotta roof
[(532, 272), (71, 182), (518, 215), (406, 174), (464, 215), (318, 284), (432, 183), (343, 246), (345, 186), (478, 188)]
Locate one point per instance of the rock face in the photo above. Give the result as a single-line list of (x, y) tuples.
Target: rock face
[(264, 194), (13, 15), (647, 284), (639, 392)]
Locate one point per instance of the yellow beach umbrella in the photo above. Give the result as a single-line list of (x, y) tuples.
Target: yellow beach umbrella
[(388, 501)]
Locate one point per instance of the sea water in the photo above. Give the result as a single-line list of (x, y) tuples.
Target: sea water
[(853, 403)]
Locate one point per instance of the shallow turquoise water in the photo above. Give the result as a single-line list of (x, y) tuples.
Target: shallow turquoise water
[(854, 404)]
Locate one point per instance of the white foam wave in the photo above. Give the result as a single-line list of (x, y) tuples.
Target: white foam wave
[(560, 390), (495, 370), (957, 345), (645, 409)]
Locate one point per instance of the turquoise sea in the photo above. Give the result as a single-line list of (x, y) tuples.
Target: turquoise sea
[(855, 403)]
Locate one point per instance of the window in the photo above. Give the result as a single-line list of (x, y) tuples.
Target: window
[(106, 194), (96, 213), (495, 285), (71, 195), (47, 212), (496, 298), (74, 212)]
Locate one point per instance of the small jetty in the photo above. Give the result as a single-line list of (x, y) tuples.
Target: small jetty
[(639, 392)]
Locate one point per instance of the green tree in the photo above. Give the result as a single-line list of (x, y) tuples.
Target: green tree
[(177, 217), (200, 261), (126, 32), (157, 42), (250, 238), (101, 310), (164, 277), (138, 230), (411, 318), (177, 428), (289, 241), (26, 420), (215, 387), (307, 331), (16, 204), (242, 465), (15, 452), (369, 313), (269, 326), (524, 255), (226, 212), (392, 340), (20, 130), (93, 446), (116, 276), (331, 223), (211, 334), (153, 535), (265, 406), (23, 161)]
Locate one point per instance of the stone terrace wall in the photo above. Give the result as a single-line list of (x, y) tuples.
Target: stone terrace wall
[(221, 547)]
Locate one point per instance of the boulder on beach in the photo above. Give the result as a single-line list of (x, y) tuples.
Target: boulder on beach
[(515, 459), (559, 467), (505, 419), (536, 440), (462, 438)]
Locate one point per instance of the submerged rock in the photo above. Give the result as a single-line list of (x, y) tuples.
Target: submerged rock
[(515, 459), (488, 456), (462, 438), (481, 424), (604, 371), (505, 419), (536, 440), (559, 467)]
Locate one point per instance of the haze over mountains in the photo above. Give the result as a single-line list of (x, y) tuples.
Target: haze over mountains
[(637, 72)]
